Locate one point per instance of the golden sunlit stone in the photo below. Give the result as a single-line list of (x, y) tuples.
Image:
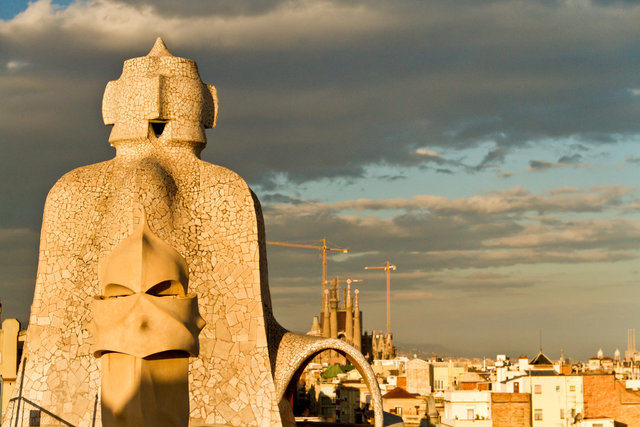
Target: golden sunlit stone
[(119, 241)]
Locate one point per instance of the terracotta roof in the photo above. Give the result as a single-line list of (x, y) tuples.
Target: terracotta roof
[(398, 393)]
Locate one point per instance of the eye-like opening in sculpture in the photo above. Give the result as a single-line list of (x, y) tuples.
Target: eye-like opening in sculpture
[(113, 290), (166, 289), (169, 354), (158, 127)]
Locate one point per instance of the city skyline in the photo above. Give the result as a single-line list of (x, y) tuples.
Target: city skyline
[(490, 152)]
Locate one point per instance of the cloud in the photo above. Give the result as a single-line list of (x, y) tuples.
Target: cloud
[(513, 200), (632, 159), (279, 198), (392, 177), (322, 80), (537, 165), (15, 65), (429, 233), (485, 283), (573, 160), (584, 234), (120, 24), (428, 153), (565, 190), (505, 174), (493, 158), (503, 258), (471, 282)]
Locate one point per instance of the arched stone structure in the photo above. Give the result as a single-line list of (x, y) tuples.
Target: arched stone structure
[(296, 351)]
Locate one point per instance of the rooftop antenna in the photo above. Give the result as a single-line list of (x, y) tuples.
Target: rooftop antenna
[(540, 340)]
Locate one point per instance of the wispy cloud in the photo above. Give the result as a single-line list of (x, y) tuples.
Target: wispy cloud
[(499, 229), (632, 159), (15, 65), (493, 158), (424, 152), (513, 200), (574, 160)]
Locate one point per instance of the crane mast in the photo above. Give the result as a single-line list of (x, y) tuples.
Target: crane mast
[(387, 268)]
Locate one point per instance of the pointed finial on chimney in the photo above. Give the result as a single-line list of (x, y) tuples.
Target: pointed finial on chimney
[(159, 49)]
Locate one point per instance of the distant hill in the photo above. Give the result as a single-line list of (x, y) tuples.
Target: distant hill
[(423, 351)]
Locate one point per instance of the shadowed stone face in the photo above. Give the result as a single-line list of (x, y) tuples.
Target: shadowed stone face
[(159, 94), (144, 308), (145, 326)]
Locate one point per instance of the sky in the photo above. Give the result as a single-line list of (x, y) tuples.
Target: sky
[(489, 150)]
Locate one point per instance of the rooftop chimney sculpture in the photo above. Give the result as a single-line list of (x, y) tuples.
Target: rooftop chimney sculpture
[(152, 303)]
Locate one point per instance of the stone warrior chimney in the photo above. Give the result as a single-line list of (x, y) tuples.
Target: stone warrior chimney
[(152, 279)]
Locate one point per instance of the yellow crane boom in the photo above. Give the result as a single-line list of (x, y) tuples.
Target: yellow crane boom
[(324, 248)]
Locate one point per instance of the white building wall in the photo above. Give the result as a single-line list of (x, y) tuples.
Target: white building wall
[(418, 377), (466, 405), (556, 399)]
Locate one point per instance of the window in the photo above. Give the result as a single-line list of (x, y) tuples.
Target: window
[(470, 414), (538, 388), (537, 414), (597, 425), (557, 388), (561, 413), (34, 417), (572, 388), (398, 411)]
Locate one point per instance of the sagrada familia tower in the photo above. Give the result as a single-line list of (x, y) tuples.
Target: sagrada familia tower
[(152, 304), (345, 323)]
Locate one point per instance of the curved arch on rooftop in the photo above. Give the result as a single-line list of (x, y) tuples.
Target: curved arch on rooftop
[(296, 351)]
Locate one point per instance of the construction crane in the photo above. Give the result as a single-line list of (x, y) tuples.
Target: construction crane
[(387, 268), (324, 248)]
